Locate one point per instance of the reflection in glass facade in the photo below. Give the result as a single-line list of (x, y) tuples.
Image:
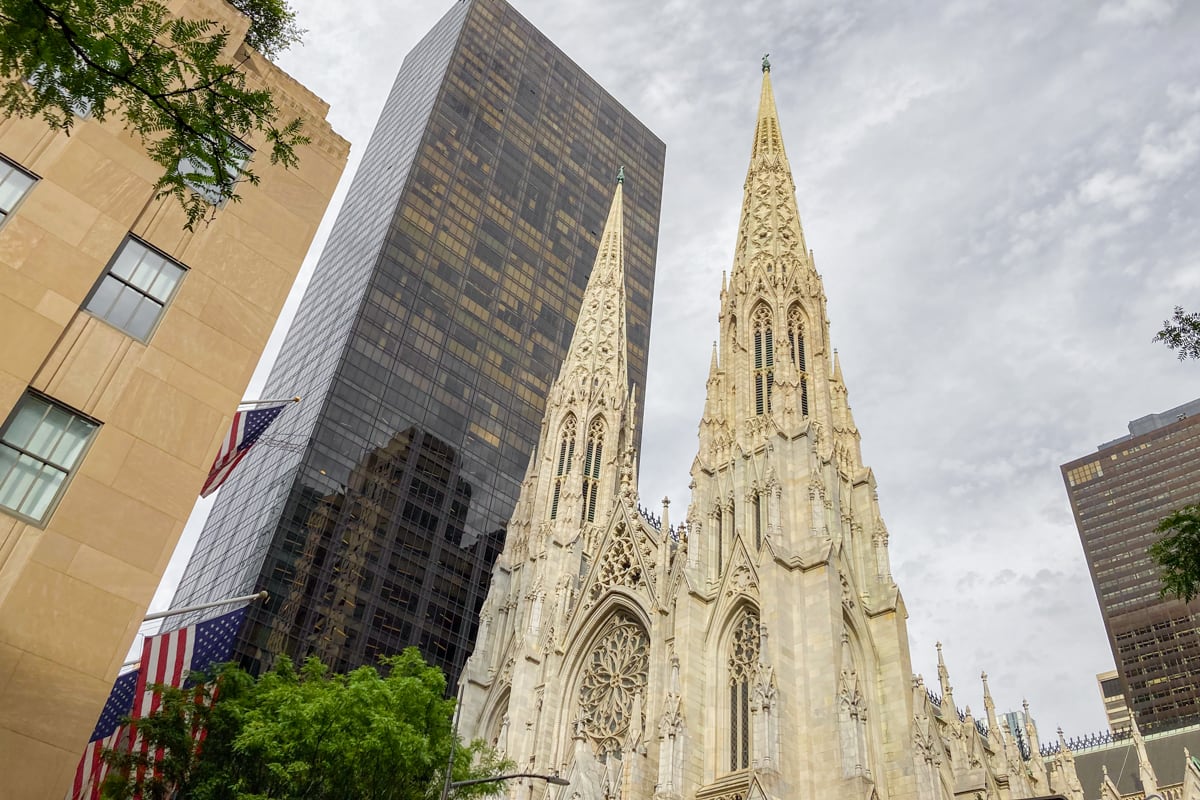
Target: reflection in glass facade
[(1118, 495), (437, 318)]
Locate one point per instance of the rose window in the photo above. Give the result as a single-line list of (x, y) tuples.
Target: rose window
[(616, 673)]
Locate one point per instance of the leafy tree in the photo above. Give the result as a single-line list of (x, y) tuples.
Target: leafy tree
[(309, 733), (1178, 553), (164, 77), (1182, 333)]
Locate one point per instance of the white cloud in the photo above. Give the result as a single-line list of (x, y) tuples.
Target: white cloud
[(1137, 12)]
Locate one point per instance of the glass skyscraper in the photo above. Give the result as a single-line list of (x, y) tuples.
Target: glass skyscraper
[(424, 348)]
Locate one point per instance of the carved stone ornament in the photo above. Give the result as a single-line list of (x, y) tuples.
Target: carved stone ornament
[(614, 677), (620, 565), (741, 581)]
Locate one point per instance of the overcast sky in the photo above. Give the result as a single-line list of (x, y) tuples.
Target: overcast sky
[(1003, 202)]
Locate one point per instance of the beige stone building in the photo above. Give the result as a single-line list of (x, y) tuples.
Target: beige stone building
[(758, 649), (125, 345)]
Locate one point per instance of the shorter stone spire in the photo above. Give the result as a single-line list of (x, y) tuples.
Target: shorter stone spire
[(944, 680), (595, 360), (1145, 768), (989, 706)]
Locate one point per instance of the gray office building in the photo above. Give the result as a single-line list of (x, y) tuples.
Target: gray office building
[(424, 348), (1118, 495)]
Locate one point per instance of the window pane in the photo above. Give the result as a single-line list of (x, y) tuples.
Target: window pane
[(43, 491), (46, 438), (122, 310), (13, 185), (17, 482), (105, 295), (8, 459), (127, 260), (143, 319), (72, 442), (25, 422), (168, 276), (146, 271)]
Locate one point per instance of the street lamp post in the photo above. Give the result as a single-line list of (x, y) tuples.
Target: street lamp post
[(554, 780), (448, 784)]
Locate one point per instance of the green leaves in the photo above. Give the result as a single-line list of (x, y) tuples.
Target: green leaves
[(167, 79), (1178, 553), (315, 734), (1182, 333)]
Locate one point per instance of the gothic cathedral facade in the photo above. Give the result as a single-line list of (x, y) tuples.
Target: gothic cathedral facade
[(759, 648)]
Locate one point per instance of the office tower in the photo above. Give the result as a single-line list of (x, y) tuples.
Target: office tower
[(1118, 495), (437, 317), (757, 649), (125, 344), (1116, 710)]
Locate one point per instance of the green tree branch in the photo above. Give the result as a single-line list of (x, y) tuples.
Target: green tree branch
[(164, 77)]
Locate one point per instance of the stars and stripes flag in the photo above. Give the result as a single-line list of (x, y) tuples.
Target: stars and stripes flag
[(107, 735), (167, 658), (248, 425)]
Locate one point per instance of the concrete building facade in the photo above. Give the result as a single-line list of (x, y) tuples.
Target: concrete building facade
[(125, 345), (440, 308), (1118, 495)]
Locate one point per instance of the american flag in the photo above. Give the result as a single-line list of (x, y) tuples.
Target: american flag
[(167, 658), (247, 426), (109, 730)]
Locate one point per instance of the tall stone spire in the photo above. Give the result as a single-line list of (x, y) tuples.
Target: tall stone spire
[(595, 361), (770, 222)]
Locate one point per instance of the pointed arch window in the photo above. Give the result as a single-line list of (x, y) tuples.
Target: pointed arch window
[(591, 470), (566, 453), (743, 661), (764, 359), (795, 331), (720, 539), (758, 519)]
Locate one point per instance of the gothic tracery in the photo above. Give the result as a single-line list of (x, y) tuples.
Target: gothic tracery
[(742, 662), (614, 683)]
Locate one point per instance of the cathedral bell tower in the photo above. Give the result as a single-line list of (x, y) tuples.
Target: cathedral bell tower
[(564, 666), (787, 570)]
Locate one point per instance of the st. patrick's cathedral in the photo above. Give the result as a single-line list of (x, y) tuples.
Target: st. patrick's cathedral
[(757, 648)]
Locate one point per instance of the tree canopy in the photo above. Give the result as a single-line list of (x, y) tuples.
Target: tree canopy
[(1178, 553), (1182, 333), (306, 733), (166, 78)]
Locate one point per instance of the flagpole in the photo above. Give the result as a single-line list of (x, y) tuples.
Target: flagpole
[(171, 612), (295, 399)]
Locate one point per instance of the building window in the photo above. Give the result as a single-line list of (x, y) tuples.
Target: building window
[(137, 285), (743, 661), (758, 520), (795, 324), (196, 173), (764, 359), (591, 470), (14, 184), (41, 444), (566, 452)]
